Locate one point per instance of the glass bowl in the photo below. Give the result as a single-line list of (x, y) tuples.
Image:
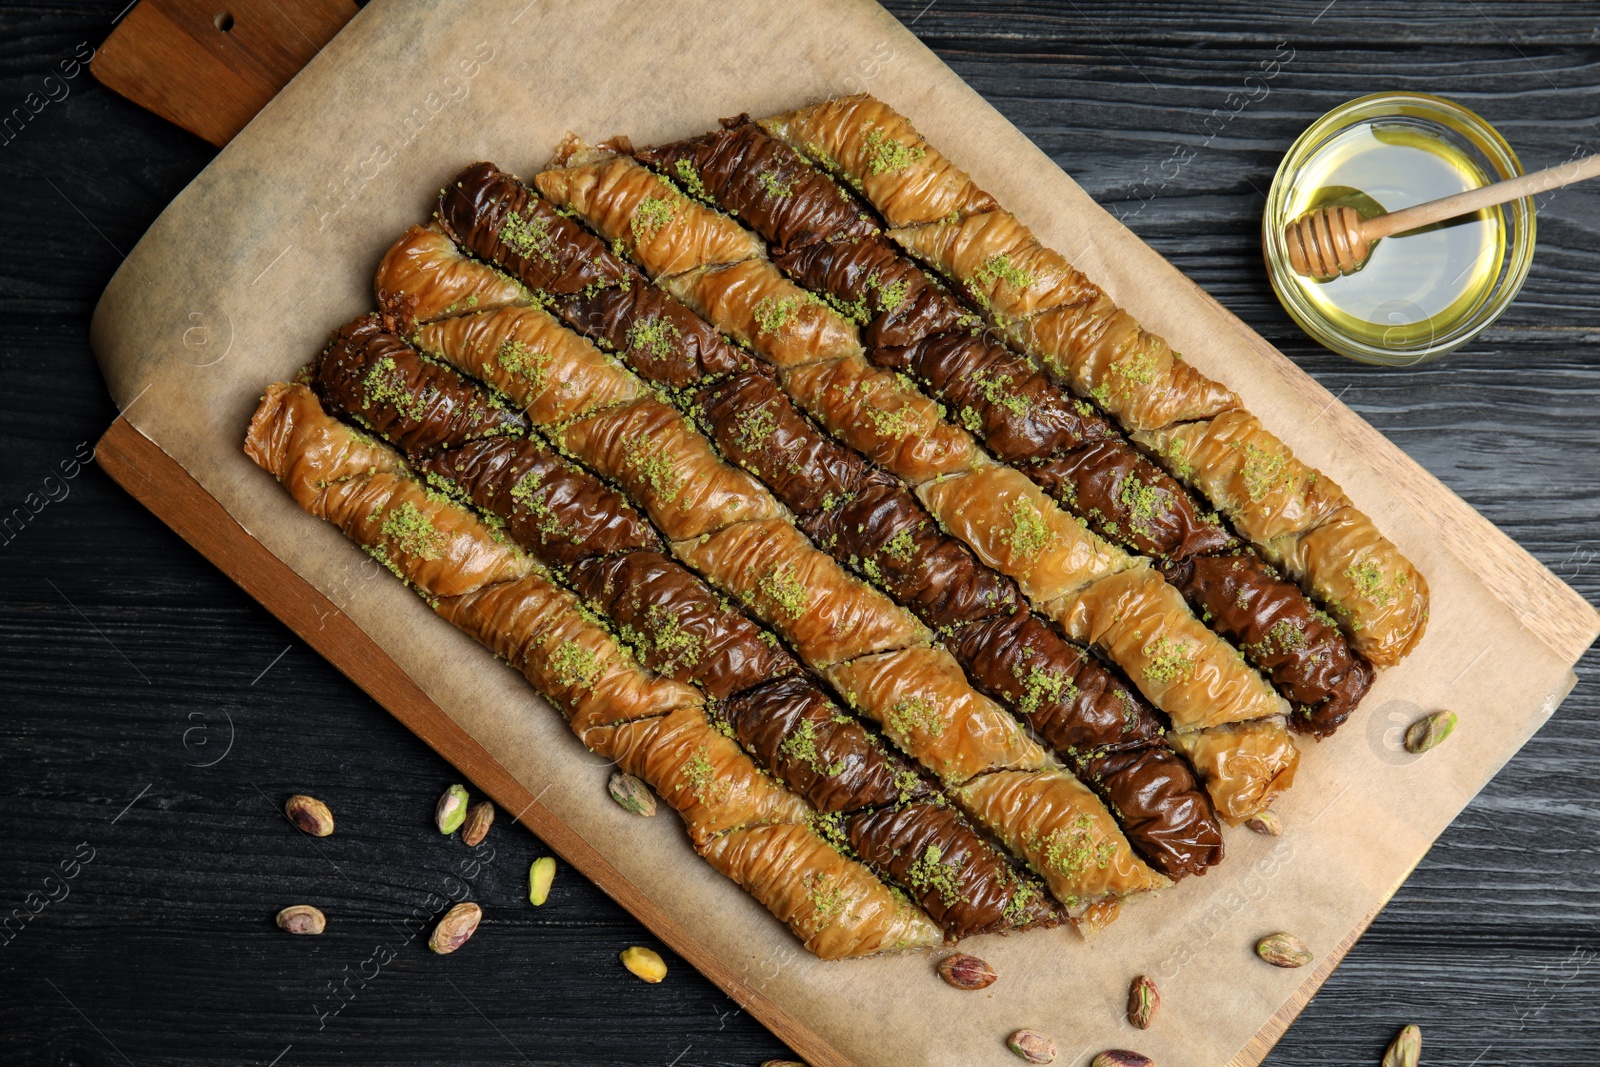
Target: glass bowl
[(1409, 312)]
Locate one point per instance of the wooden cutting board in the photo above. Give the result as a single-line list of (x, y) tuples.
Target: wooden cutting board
[(210, 74)]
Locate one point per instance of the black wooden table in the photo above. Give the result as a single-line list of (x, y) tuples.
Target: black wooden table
[(154, 718)]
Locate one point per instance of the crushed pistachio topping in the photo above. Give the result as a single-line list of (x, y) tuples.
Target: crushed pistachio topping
[(529, 236), (802, 745), (524, 362), (891, 296), (929, 874), (1144, 503), (656, 471), (773, 313), (674, 646), (1287, 636), (655, 336), (1023, 894), (1073, 849), (774, 185), (1039, 686), (999, 268), (691, 179), (996, 390), (1370, 583), (1169, 661), (1263, 470), (384, 384), (915, 713), (652, 214), (1028, 534), (885, 155), (409, 530), (785, 589), (828, 901), (753, 426), (900, 546), (702, 778), (574, 666), (1137, 367)]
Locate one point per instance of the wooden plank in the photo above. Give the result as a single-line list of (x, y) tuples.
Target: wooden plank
[(153, 478), (210, 67)]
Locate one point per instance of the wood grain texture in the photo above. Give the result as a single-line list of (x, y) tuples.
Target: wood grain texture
[(210, 67), (126, 653)]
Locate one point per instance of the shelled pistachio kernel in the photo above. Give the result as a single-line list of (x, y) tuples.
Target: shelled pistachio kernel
[(480, 817), (540, 875), (966, 972), (1429, 731), (644, 963), (782, 1063), (1406, 1049), (451, 811), (302, 919), (1283, 950), (1032, 1046), (1266, 823), (1121, 1057), (309, 814), (1143, 1000), (458, 924), (632, 794)]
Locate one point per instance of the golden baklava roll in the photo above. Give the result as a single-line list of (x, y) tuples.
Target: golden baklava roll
[(1246, 765), (423, 277), (753, 303)]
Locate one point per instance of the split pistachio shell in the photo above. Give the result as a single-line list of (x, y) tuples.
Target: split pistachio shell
[(309, 814)]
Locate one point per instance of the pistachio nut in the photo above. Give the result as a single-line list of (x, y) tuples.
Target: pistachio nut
[(644, 963), (302, 919), (451, 811), (540, 875), (309, 814), (458, 924), (1143, 1000), (1032, 1046), (632, 794), (966, 972), (480, 817), (1406, 1049), (1265, 823), (1121, 1057), (1428, 731), (1283, 950)]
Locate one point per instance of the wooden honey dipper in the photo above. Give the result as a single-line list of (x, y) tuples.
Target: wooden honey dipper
[(1330, 241)]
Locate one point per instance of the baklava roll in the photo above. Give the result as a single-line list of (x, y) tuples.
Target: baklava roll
[(494, 217), (1064, 832), (827, 615), (1159, 805), (1014, 528), (1281, 633), (797, 733), (834, 905), (925, 705), (424, 277), (702, 773), (1245, 765), (660, 338), (964, 884), (756, 426), (874, 285), (565, 653), (1129, 501), (753, 303), (550, 372), (886, 534), (664, 231), (437, 546), (677, 626), (665, 465), (765, 182), (1000, 264), (875, 412), (550, 506), (1146, 628), (875, 149), (998, 395), (374, 376)]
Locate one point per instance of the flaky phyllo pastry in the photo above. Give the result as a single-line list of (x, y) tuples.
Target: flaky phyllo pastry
[(935, 596)]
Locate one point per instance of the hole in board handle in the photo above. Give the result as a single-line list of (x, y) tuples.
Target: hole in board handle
[(223, 22)]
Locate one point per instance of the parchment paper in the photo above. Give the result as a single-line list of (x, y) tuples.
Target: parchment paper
[(245, 274)]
